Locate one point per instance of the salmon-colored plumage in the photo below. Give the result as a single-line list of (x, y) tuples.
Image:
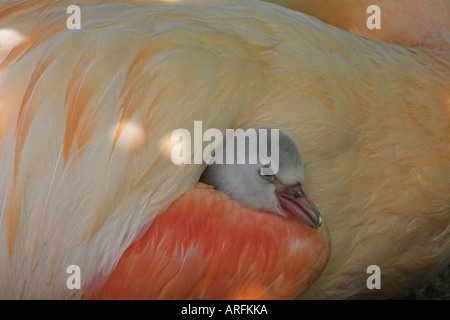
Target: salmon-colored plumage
[(208, 246)]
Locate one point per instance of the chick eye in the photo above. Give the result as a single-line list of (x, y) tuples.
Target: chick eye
[(266, 175)]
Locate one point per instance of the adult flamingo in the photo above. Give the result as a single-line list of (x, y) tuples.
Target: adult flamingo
[(86, 117)]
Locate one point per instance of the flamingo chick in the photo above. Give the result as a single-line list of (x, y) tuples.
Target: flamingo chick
[(255, 237)]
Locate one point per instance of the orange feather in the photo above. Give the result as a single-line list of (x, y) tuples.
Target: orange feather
[(208, 246)]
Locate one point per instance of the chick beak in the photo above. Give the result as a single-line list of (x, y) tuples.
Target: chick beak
[(294, 202)]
